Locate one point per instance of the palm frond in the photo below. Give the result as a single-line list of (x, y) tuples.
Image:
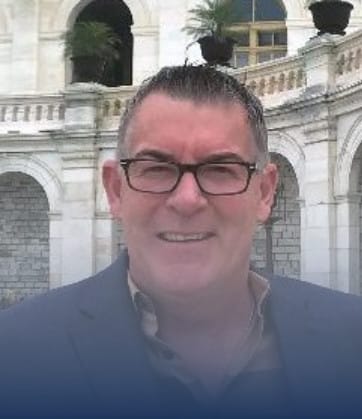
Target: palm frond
[(92, 38), (210, 18)]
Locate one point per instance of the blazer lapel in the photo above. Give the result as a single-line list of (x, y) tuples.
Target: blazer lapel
[(314, 363), (108, 343)]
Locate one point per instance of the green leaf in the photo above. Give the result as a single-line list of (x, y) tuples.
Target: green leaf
[(210, 18), (92, 39)]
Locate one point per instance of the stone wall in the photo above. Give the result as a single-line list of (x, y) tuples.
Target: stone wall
[(24, 238), (286, 231), (360, 225), (118, 238), (360, 247)]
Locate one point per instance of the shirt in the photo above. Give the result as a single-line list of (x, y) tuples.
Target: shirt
[(257, 350)]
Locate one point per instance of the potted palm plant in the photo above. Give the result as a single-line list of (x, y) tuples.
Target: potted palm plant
[(92, 46), (330, 16), (208, 23)]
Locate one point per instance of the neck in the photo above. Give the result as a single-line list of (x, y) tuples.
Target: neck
[(214, 312)]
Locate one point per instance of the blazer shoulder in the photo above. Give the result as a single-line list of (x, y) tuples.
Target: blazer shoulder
[(317, 300), (59, 303)]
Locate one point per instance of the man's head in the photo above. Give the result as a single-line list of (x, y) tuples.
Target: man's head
[(199, 84), (189, 228)]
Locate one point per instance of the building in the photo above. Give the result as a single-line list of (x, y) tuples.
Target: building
[(54, 135)]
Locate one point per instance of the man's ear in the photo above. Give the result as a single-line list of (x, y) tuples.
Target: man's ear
[(112, 183), (268, 185)]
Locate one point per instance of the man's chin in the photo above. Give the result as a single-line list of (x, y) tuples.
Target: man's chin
[(181, 279), (184, 254)]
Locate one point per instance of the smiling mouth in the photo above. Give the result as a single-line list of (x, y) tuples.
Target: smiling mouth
[(184, 238)]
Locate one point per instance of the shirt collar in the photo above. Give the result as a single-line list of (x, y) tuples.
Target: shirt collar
[(259, 286)]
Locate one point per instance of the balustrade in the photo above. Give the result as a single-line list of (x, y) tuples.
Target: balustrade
[(274, 82), (30, 112), (348, 68)]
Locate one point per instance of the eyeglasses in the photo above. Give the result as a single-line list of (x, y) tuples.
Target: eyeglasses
[(213, 178)]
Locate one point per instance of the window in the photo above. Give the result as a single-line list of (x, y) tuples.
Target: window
[(259, 30)]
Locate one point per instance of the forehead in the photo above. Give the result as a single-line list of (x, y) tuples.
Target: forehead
[(165, 121), (148, 110)]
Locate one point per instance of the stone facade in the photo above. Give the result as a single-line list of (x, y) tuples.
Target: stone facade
[(24, 237), (285, 228), (359, 159), (31, 38), (59, 135)]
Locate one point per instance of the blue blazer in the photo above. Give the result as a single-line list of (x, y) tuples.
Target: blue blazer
[(78, 351)]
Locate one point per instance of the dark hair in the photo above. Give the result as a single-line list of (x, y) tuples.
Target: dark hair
[(200, 84)]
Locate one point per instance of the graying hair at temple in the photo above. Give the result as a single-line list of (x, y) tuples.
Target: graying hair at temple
[(201, 84)]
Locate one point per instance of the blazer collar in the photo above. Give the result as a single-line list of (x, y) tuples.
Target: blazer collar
[(106, 337), (308, 344)]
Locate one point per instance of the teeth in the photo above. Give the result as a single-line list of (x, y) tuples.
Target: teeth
[(176, 237)]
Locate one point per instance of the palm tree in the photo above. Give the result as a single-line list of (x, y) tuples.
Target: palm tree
[(208, 24), (210, 18), (92, 46)]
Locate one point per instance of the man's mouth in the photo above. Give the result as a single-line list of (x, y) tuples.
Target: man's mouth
[(183, 237)]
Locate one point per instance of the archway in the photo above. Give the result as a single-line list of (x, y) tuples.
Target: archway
[(348, 190), (118, 16), (355, 187), (359, 156), (283, 246), (24, 238)]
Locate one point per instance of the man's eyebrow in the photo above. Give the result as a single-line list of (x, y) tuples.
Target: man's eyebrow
[(214, 157), (154, 154), (223, 156)]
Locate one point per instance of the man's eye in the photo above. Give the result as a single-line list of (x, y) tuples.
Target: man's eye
[(221, 169), (156, 169), (222, 172)]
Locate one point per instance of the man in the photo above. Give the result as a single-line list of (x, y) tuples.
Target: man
[(179, 325)]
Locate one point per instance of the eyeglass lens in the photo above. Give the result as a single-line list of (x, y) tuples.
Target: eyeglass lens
[(214, 178)]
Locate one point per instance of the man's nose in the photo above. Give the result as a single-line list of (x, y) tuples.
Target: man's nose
[(187, 198)]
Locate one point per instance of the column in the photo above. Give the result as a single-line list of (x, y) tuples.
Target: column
[(348, 247), (173, 40), (319, 61), (146, 52), (319, 218), (319, 214), (79, 171), (25, 46), (55, 250)]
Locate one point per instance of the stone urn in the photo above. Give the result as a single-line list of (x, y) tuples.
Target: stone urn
[(216, 50), (331, 16)]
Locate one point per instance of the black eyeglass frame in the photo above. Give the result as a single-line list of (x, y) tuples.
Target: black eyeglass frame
[(191, 168)]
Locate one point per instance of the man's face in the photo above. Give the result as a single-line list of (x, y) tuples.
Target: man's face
[(185, 241)]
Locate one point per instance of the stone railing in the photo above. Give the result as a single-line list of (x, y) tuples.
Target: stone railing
[(31, 113), (275, 81), (112, 104), (348, 68)]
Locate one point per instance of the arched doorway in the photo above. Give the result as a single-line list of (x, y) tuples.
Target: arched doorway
[(278, 242), (259, 30), (24, 238), (360, 217), (355, 187), (118, 16)]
